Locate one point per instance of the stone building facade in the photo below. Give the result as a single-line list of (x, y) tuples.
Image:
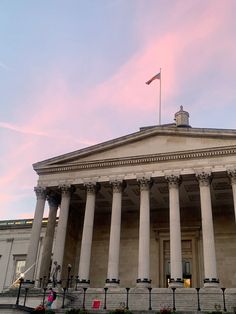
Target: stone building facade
[(14, 242), (153, 208)]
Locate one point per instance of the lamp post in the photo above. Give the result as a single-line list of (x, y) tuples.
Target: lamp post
[(127, 298), (68, 275), (198, 300), (150, 298), (44, 294), (105, 299), (223, 290), (84, 297), (63, 300), (21, 279), (26, 292), (173, 289)]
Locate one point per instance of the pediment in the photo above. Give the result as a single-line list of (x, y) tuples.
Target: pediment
[(149, 142)]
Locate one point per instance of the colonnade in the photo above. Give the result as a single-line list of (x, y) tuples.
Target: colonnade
[(143, 276)]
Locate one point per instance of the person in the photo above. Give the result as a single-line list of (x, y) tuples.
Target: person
[(51, 298), (56, 269)]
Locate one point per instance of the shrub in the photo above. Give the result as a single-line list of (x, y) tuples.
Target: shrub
[(165, 310), (76, 311), (120, 311), (41, 310)]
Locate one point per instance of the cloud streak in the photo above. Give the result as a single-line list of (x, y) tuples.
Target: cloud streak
[(194, 46)]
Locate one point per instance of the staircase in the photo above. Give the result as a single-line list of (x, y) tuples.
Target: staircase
[(138, 300), (141, 299)]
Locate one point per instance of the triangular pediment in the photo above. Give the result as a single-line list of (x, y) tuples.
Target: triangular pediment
[(147, 142)]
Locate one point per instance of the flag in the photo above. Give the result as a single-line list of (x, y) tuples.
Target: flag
[(155, 77)]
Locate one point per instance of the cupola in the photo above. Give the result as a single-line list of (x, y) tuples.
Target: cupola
[(182, 118)]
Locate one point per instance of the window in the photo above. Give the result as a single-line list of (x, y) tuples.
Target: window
[(19, 266)]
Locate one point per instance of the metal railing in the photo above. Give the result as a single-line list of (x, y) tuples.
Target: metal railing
[(128, 298)]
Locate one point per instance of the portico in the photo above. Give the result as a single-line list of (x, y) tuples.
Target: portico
[(147, 208)]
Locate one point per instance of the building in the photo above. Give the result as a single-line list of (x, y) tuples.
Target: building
[(14, 242), (156, 207)]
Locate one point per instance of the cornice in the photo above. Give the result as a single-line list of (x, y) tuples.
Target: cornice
[(144, 159)]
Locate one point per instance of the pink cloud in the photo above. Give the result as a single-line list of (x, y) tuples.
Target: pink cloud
[(194, 42), (57, 120)]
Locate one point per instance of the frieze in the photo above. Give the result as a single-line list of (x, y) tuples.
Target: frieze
[(162, 157)]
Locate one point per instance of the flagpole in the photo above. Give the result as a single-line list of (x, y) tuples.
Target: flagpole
[(160, 100)]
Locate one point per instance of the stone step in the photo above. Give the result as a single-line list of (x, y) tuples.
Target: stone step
[(210, 299)]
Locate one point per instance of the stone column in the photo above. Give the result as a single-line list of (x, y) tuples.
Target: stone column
[(87, 235), (144, 234), (232, 175), (53, 202), (60, 240), (209, 255), (176, 279), (35, 234), (114, 244)]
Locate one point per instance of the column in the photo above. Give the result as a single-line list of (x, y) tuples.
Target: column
[(60, 240), (114, 244), (35, 234), (176, 270), (232, 175), (87, 235), (144, 234), (210, 280), (53, 201)]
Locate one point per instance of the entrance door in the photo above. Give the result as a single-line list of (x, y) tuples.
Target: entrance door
[(187, 273)]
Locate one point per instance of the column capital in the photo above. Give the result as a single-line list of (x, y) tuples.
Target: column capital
[(118, 186), (40, 192), (173, 180), (92, 187), (53, 200), (232, 175), (66, 189), (145, 183), (204, 178)]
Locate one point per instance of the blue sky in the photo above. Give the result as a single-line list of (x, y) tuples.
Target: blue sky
[(72, 74)]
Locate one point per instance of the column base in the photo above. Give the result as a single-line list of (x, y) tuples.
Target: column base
[(176, 283), (84, 283), (143, 283), (112, 282), (211, 282)]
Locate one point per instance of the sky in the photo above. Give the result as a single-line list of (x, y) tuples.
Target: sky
[(73, 73)]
